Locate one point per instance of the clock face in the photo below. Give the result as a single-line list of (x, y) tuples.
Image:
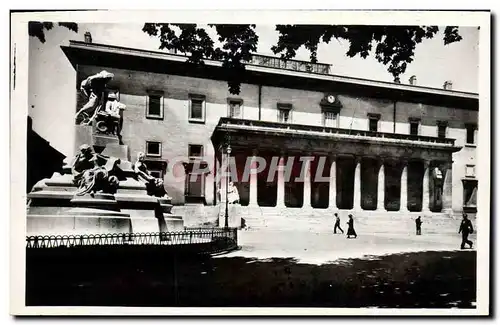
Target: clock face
[(330, 98)]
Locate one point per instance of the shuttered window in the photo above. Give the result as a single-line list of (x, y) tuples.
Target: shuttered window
[(154, 107)]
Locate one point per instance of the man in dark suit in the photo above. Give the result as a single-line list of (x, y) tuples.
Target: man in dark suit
[(337, 224), (418, 224), (466, 229)]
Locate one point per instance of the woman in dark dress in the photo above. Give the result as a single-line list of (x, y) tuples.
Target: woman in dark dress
[(350, 228)]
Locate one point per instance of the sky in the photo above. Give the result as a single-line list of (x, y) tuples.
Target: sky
[(51, 89), (434, 62)]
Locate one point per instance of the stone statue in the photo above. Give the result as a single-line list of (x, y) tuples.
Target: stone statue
[(233, 195), (92, 88), (437, 173), (438, 183), (154, 186), (110, 119), (93, 173)]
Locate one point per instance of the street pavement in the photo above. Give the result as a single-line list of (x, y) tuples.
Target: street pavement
[(322, 247)]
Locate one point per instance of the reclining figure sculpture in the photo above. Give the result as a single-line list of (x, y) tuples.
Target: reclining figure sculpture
[(154, 186), (97, 173), (94, 173)]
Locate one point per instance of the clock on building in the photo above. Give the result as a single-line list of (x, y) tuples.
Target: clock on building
[(330, 99)]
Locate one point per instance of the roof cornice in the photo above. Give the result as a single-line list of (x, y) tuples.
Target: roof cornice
[(111, 49)]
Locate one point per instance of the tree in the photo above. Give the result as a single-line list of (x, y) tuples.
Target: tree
[(238, 43), (37, 28), (394, 45)]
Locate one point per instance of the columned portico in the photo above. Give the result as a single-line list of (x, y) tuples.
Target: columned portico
[(425, 188), (447, 187), (367, 171), (381, 186), (307, 183), (357, 184), (280, 197), (332, 193), (253, 180), (403, 207)]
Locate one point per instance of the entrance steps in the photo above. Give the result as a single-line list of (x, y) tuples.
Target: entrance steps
[(323, 220)]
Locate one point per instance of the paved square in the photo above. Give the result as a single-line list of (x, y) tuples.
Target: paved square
[(324, 247)]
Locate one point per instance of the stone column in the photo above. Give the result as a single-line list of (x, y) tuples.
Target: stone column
[(381, 186), (404, 188), (425, 188), (447, 187), (332, 193), (224, 171), (280, 195), (307, 184), (357, 185), (253, 182)]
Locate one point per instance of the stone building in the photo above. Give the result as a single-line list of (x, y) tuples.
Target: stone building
[(386, 148)]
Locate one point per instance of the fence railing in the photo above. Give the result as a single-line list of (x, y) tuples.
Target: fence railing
[(296, 65), (209, 239)]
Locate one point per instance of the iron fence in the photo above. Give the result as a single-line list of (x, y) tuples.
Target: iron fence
[(208, 239)]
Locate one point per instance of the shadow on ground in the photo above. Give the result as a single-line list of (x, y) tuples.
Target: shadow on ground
[(61, 277)]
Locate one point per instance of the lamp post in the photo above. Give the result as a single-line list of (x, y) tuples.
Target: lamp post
[(226, 215)]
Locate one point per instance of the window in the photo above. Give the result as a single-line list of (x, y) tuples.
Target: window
[(235, 108), (442, 125), (329, 119), (153, 149), (156, 173), (195, 150), (414, 128), (284, 113), (197, 108), (469, 195), (154, 105), (373, 122), (195, 185), (471, 128), (470, 171), (414, 123)]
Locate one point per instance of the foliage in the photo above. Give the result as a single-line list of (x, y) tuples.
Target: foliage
[(37, 29), (238, 42), (394, 45)]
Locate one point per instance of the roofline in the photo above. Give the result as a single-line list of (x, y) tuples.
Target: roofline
[(265, 69)]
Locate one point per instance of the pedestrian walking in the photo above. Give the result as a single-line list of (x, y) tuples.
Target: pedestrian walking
[(337, 224), (418, 224), (350, 229), (466, 229)]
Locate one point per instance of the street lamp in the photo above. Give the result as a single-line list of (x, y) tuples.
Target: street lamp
[(226, 216)]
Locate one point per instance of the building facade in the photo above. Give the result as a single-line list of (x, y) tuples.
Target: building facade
[(328, 142)]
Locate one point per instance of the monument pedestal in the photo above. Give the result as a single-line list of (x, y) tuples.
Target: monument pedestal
[(55, 209), (234, 215), (116, 150)]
